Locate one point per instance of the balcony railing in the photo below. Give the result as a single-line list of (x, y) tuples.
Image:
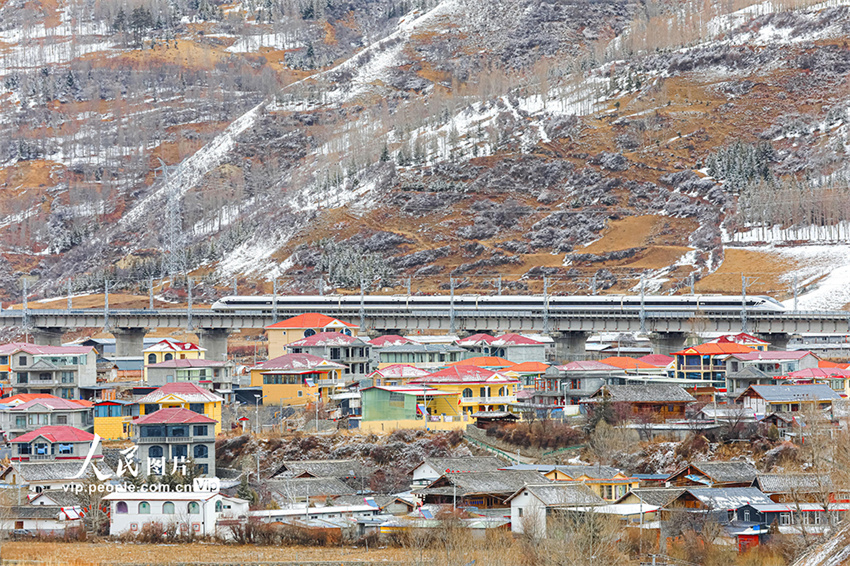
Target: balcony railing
[(490, 400), (172, 439)]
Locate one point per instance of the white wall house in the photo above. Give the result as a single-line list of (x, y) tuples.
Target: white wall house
[(531, 505), (196, 512)]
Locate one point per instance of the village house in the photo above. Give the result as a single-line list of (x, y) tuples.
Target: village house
[(706, 362), (194, 512), (282, 334), (52, 443), (431, 469), (396, 374), (388, 408), (527, 373), (533, 506), (487, 362), (766, 399), (799, 487), (183, 395), (721, 503), (55, 370), (608, 483), (763, 367), (297, 379), (483, 490), (41, 519), (352, 472), (175, 435), (45, 411), (425, 356), (353, 353), (168, 349), (564, 385), (479, 389), (658, 497), (112, 418), (292, 491), (714, 474), (210, 374), (743, 339), (634, 366), (658, 402), (517, 348)]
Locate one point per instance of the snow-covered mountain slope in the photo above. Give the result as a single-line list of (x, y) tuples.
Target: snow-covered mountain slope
[(448, 139)]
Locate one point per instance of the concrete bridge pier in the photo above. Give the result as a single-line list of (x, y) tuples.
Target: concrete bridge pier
[(667, 342), (129, 341), (47, 336), (214, 340), (570, 345), (778, 340)]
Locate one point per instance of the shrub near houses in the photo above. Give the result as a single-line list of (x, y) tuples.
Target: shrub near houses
[(539, 434)]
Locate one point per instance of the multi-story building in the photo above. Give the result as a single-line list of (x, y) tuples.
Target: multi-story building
[(353, 353), (479, 389), (282, 334), (183, 395), (55, 370), (706, 363), (763, 367), (112, 418), (53, 443), (425, 356), (167, 349), (296, 379), (396, 374), (564, 385), (210, 374), (175, 436), (47, 411)]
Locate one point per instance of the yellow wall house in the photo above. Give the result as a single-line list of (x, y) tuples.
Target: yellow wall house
[(285, 332), (608, 483), (296, 379), (112, 418), (185, 395), (479, 389), (168, 349)]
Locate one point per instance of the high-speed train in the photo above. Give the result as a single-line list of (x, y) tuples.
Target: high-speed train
[(577, 304)]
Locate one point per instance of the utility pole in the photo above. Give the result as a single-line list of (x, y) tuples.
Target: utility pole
[(642, 305), (499, 288), (452, 306), (408, 286), (692, 283), (106, 303), (68, 285), (235, 287), (150, 293), (274, 300), (745, 282), (363, 305), (321, 286), (795, 292), (593, 285), (26, 306), (546, 305), (189, 314)]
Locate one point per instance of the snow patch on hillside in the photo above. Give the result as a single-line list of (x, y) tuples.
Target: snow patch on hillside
[(822, 274)]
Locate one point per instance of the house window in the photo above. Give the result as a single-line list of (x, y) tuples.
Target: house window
[(484, 392), (218, 506), (520, 512), (168, 508), (61, 419), (22, 361), (168, 357), (746, 516), (179, 432), (202, 468), (121, 507), (20, 421), (200, 430), (179, 451), (197, 408), (65, 449), (24, 449), (785, 519), (42, 449), (155, 452), (201, 451), (144, 508), (467, 392), (151, 359), (336, 353), (194, 508)]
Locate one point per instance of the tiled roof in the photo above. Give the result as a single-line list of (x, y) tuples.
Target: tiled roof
[(169, 345), (594, 471), (794, 393), (417, 348), (505, 482), (464, 374), (563, 494), (588, 365), (50, 404), (188, 364), (475, 340), (22, 398), (47, 471), (728, 498), (740, 338), (829, 364), (298, 363), (341, 469), (327, 339), (771, 355), (285, 489), (311, 320), (715, 348), (528, 367), (658, 360), (56, 434), (648, 393), (625, 362), (813, 373), (484, 361), (727, 472), (40, 350), (514, 340), (660, 496), (174, 415), (187, 392), (793, 483), (465, 464), (390, 340), (399, 371)]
